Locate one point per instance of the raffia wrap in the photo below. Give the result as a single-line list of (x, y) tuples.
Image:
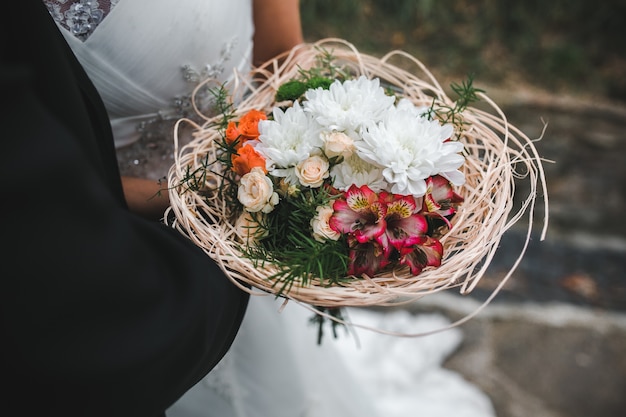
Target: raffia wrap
[(497, 155)]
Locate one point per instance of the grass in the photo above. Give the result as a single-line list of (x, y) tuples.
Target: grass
[(575, 47)]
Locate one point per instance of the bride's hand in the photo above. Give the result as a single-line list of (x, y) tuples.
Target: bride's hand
[(145, 197)]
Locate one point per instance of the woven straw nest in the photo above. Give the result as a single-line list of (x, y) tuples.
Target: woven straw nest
[(497, 155)]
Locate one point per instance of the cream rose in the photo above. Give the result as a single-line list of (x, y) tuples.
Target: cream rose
[(312, 171), (337, 144), (256, 192), (321, 228), (248, 229)]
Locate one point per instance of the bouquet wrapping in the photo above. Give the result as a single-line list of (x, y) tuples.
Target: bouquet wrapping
[(335, 179)]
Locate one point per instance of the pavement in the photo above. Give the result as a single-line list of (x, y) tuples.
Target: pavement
[(552, 343)]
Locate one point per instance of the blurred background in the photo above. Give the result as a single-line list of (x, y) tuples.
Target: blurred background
[(553, 341), (572, 47)]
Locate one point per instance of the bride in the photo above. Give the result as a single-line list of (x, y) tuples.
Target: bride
[(145, 57)]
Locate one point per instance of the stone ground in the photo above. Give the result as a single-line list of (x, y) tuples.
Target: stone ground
[(553, 341)]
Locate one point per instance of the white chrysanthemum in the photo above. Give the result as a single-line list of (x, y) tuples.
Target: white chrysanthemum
[(354, 170), (348, 106), (291, 137), (410, 149), (405, 104)]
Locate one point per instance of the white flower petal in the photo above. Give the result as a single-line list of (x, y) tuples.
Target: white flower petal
[(456, 177), (410, 149), (288, 139), (348, 106), (354, 170)]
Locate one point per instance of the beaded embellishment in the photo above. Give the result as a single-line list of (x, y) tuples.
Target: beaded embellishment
[(80, 17)]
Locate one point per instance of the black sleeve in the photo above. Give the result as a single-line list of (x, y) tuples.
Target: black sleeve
[(103, 313)]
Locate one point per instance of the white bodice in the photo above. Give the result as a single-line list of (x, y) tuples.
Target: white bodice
[(146, 56)]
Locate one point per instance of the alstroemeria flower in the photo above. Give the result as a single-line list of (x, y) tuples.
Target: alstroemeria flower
[(365, 258), (404, 225), (440, 200), (247, 158), (420, 255), (359, 213)]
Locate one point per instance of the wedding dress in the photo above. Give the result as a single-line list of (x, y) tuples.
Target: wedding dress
[(145, 57)]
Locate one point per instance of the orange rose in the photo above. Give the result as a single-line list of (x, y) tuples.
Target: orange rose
[(232, 134), (247, 158), (249, 124)]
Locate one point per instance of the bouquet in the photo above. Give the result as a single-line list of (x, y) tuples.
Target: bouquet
[(336, 179)]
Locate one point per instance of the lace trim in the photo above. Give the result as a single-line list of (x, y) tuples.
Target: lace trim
[(80, 17), (182, 105)]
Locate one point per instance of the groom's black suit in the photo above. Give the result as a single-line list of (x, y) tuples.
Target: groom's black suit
[(103, 313)]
